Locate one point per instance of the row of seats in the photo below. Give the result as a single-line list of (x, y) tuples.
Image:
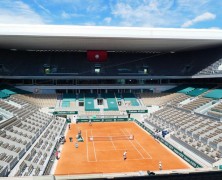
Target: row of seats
[(6, 145), (214, 114), (179, 99), (198, 102), (17, 137), (217, 108), (40, 100), (198, 128), (157, 99), (16, 100), (20, 112), (8, 107), (203, 150), (40, 154)]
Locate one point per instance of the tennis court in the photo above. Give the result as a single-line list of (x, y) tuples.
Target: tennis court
[(103, 148)]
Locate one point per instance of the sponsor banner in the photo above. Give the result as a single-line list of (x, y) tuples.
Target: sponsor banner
[(108, 120), (121, 119), (64, 112), (83, 120), (136, 111), (105, 120)]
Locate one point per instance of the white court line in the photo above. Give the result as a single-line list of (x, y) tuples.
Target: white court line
[(113, 144), (119, 160), (150, 157), (94, 147), (111, 150), (87, 151), (134, 145)]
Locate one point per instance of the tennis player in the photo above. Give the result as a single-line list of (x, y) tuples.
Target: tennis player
[(125, 155), (90, 122), (160, 165)]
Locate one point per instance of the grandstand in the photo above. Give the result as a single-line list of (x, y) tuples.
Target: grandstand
[(127, 82)]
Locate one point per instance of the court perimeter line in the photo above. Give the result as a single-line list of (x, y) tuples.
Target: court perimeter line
[(150, 157), (133, 145), (94, 147), (87, 151)]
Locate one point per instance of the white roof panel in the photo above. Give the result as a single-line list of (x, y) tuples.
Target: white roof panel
[(63, 37)]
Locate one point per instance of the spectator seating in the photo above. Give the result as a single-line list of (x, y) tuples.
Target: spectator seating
[(157, 99), (40, 100), (200, 101), (216, 111), (179, 99), (204, 134), (28, 127)]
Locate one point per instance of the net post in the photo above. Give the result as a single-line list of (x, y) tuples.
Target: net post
[(91, 138)]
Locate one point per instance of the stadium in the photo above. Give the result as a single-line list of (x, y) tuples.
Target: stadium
[(85, 102)]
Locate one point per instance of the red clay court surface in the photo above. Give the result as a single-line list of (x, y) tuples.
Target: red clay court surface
[(143, 153)]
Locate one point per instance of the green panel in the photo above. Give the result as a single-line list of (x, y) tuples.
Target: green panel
[(131, 97), (220, 167), (3, 95), (89, 104), (197, 91), (133, 101), (186, 90), (65, 103), (214, 94), (176, 89), (8, 92), (112, 105)]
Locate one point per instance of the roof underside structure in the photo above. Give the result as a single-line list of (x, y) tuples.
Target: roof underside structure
[(82, 38)]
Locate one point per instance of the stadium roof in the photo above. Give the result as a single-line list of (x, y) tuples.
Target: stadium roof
[(60, 37)]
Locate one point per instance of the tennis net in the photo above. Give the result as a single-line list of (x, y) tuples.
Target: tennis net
[(110, 138)]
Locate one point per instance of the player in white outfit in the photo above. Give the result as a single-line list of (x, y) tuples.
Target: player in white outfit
[(124, 155)]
